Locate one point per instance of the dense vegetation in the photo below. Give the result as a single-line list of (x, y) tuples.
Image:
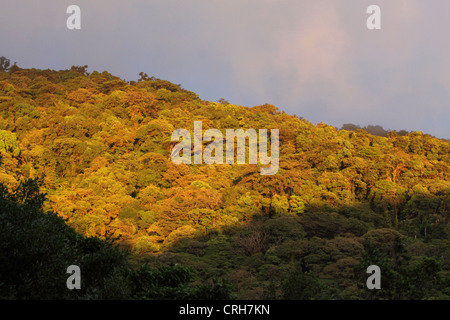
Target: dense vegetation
[(342, 199), (36, 247)]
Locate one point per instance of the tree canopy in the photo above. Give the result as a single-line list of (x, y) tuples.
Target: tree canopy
[(101, 147)]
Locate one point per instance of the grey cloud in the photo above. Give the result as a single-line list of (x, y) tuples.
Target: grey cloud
[(314, 59)]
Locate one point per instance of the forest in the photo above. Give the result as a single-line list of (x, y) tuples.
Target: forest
[(86, 178)]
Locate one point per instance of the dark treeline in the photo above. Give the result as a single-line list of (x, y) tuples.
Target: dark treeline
[(376, 130)]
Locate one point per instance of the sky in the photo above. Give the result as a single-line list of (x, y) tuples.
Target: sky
[(315, 59)]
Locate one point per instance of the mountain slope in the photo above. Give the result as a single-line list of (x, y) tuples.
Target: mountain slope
[(102, 147)]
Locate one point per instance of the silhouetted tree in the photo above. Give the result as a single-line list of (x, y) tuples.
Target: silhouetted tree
[(4, 64)]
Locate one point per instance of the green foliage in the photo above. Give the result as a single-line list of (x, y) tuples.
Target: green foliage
[(36, 247), (280, 204), (300, 284), (8, 143), (100, 148), (402, 276)]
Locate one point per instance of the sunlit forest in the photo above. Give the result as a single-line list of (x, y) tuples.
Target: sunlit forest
[(87, 179)]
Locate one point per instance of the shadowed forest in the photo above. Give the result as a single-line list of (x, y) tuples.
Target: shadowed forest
[(87, 180)]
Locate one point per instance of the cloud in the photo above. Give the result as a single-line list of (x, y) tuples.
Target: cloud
[(315, 53), (315, 59)]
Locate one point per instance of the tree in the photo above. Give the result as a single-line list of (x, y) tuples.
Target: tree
[(279, 204), (8, 143), (300, 284), (374, 256), (80, 69), (4, 64), (350, 127), (401, 276)]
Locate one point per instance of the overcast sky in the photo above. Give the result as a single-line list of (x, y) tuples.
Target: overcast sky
[(315, 59)]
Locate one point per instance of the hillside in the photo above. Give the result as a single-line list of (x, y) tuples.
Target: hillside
[(341, 200)]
